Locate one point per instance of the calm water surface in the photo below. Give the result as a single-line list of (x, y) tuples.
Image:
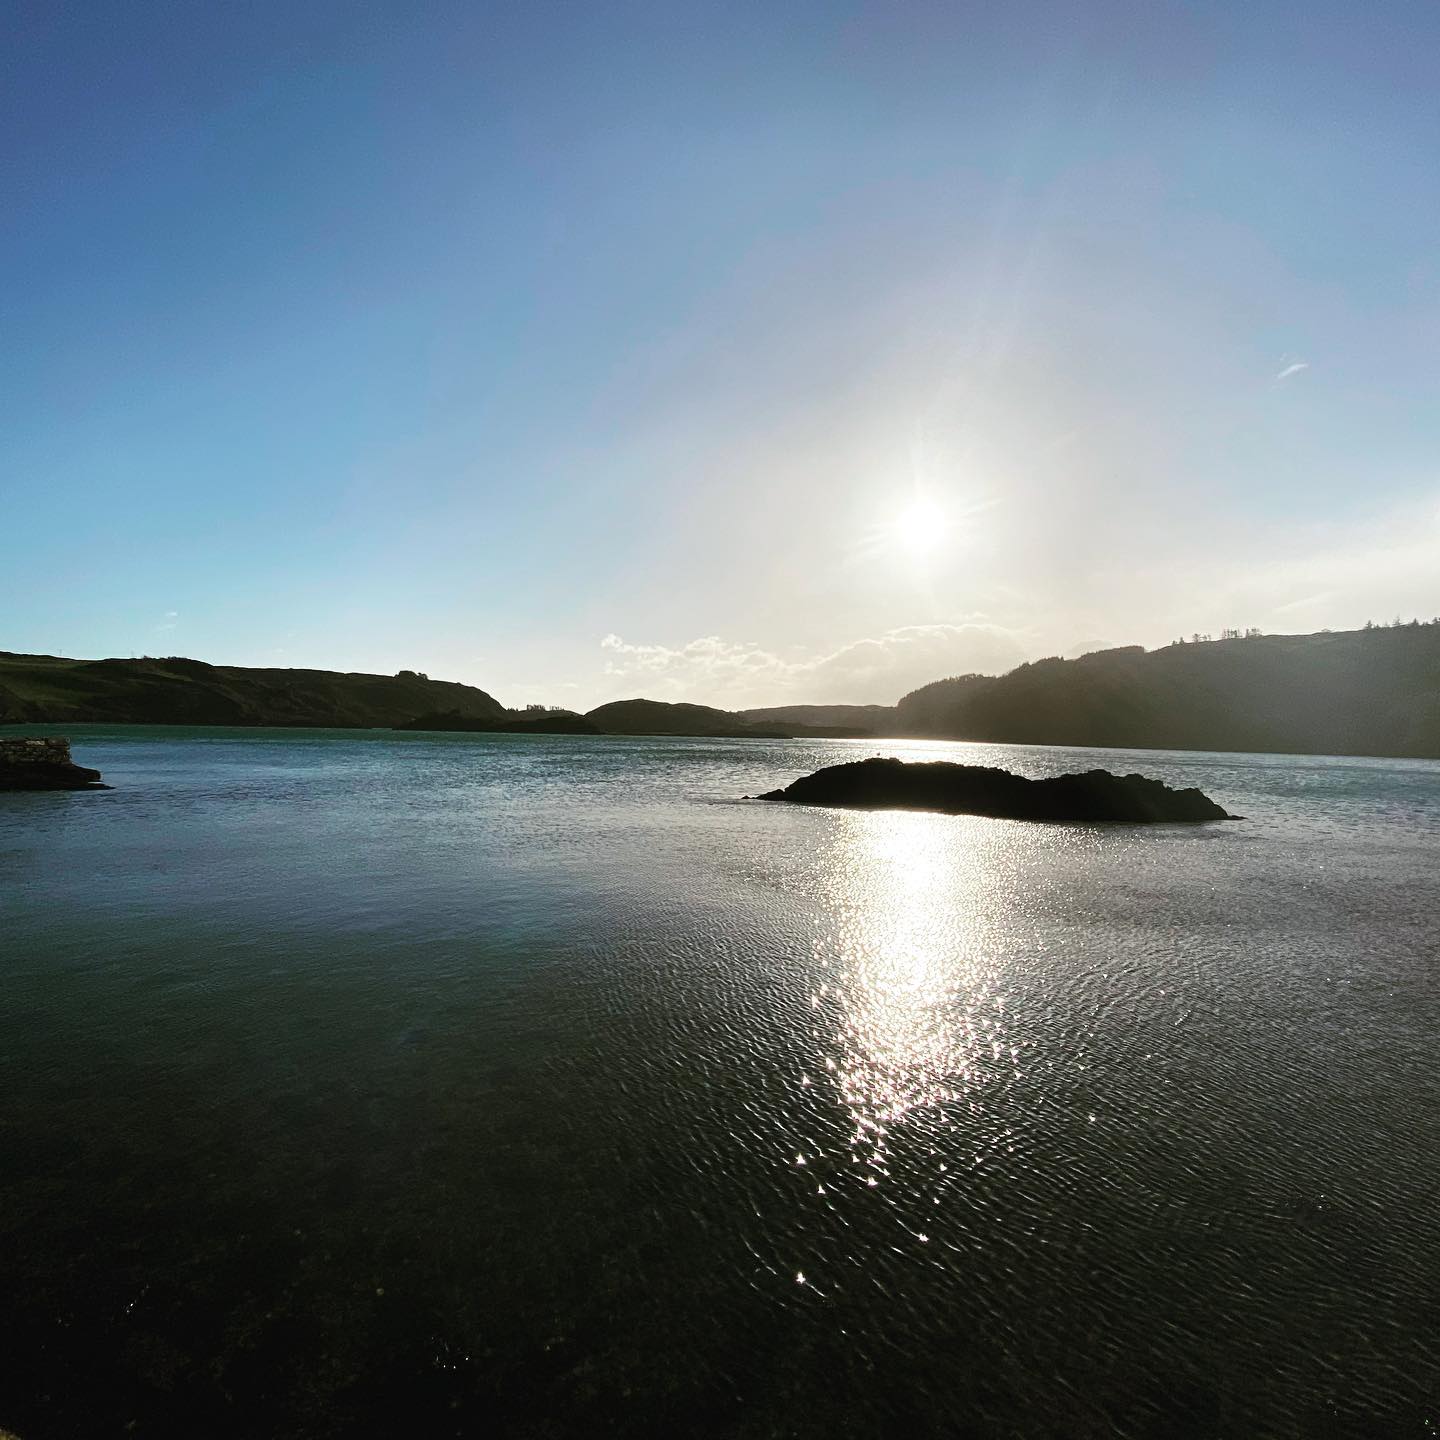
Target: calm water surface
[(354, 1083)]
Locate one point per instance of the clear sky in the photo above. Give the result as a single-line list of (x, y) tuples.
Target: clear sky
[(738, 352)]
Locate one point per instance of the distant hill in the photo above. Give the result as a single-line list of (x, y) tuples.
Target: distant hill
[(558, 723), (1355, 692), (820, 720), (656, 717), (176, 691)]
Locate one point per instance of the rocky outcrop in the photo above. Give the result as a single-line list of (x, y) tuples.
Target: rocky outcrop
[(29, 763), (980, 790)]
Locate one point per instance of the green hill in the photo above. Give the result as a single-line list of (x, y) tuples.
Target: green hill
[(176, 691), (1356, 692)]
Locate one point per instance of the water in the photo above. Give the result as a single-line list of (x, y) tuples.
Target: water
[(355, 1083)]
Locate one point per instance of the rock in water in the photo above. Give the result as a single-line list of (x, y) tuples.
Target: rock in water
[(28, 763), (981, 790)]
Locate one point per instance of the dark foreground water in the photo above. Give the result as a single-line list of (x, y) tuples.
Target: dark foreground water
[(357, 1084)]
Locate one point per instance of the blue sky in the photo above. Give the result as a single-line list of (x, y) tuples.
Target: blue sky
[(736, 353)]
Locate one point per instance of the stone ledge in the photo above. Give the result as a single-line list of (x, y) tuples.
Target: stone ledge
[(32, 762)]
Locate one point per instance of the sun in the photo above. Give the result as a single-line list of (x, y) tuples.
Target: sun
[(920, 527)]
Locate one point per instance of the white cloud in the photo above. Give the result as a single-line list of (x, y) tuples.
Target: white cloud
[(1323, 575), (1335, 575), (1365, 573), (1294, 368), (1305, 602), (735, 675)]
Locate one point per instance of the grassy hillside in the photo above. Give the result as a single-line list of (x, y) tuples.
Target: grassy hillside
[(175, 691), (1357, 692)]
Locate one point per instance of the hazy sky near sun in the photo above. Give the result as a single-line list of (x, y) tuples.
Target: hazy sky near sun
[(736, 352)]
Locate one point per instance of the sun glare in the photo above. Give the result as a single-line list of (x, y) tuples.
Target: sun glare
[(920, 527)]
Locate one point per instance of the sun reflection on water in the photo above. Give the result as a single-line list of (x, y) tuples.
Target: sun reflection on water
[(915, 998)]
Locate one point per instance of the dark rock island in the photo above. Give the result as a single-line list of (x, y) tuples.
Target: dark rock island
[(980, 790), (33, 764)]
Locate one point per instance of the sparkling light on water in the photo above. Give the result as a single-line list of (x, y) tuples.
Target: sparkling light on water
[(917, 994)]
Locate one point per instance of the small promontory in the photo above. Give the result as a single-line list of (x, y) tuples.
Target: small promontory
[(982, 790), (30, 763)]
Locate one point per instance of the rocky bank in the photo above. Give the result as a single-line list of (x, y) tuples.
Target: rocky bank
[(31, 763)]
